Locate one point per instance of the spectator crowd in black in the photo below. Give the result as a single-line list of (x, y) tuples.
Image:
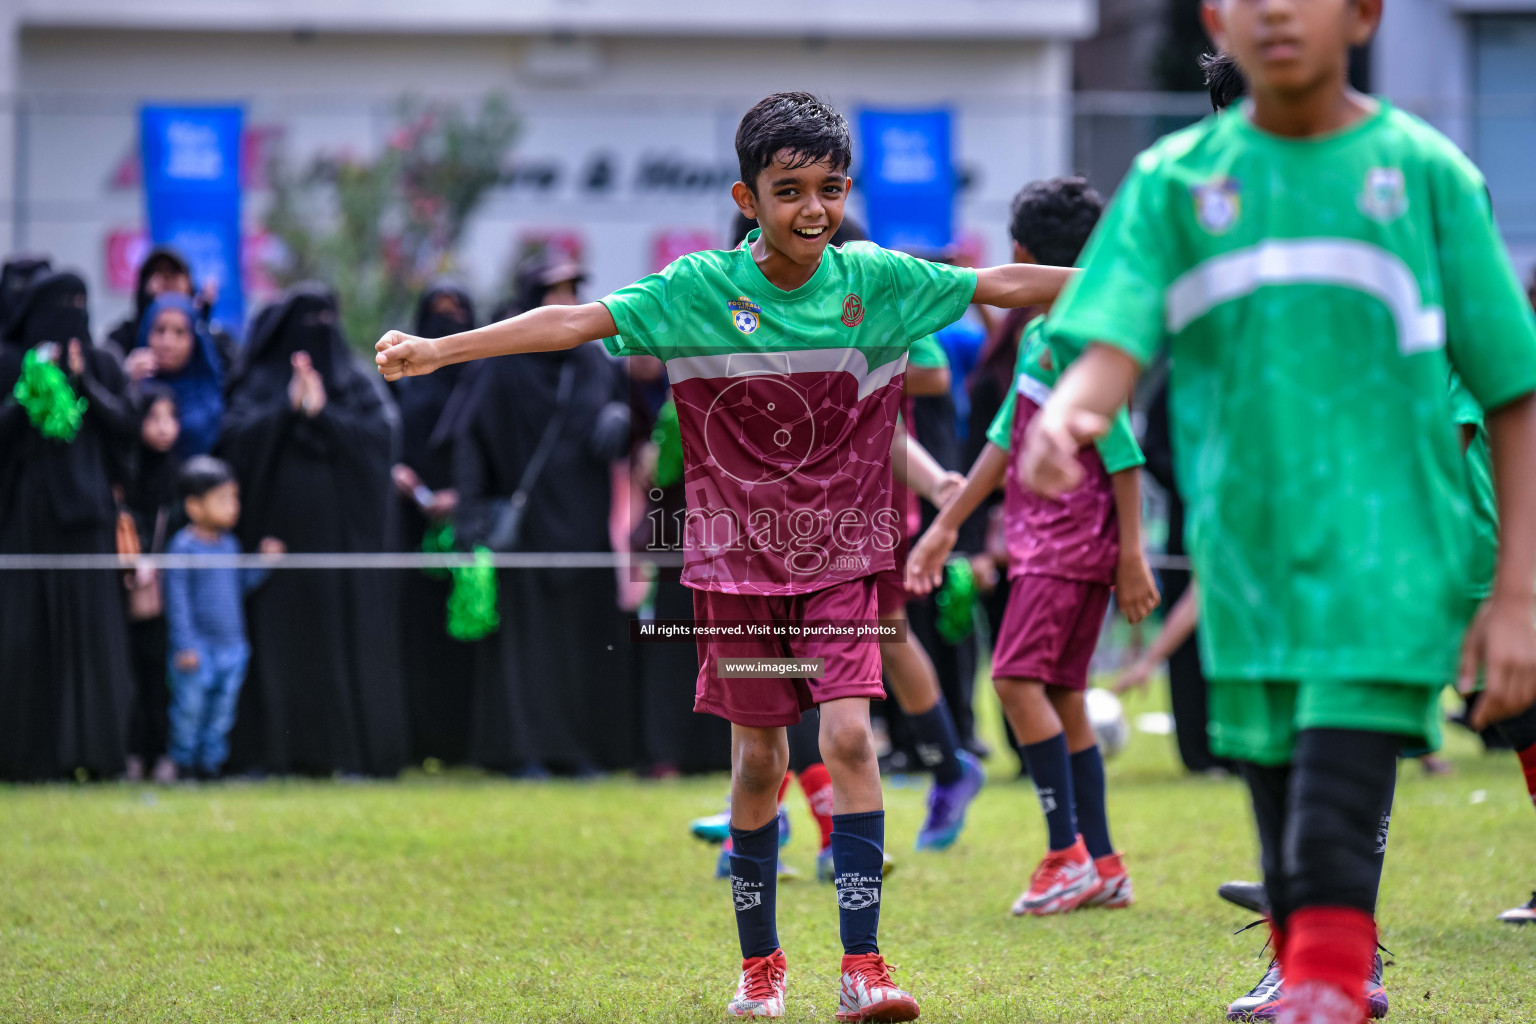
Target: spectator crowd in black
[(355, 671)]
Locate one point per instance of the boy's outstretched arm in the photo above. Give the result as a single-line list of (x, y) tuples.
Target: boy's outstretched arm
[(546, 329), (1135, 589), (1096, 384), (1502, 638), (925, 564), (1013, 285)]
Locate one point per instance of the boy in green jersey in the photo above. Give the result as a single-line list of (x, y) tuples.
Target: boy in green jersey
[(1322, 262), (786, 359)]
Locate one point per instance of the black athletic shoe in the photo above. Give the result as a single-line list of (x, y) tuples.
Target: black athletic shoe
[(1248, 895), (1525, 913), (1262, 1003), (1375, 991)]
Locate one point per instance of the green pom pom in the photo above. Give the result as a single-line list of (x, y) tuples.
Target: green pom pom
[(52, 406), (472, 611), (438, 540), (668, 438), (956, 600)]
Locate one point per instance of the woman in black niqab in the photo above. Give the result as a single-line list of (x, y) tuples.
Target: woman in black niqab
[(310, 432), (437, 668), (552, 688), (65, 681)]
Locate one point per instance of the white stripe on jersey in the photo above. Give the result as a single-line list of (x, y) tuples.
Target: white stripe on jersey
[(1342, 262), (1034, 390), (812, 360)]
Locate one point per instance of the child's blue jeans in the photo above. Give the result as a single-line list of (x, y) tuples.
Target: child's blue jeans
[(203, 704)]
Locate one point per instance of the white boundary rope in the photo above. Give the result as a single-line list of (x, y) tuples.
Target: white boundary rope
[(388, 560)]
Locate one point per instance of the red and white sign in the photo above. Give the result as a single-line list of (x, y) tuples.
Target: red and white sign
[(669, 245), (127, 247)]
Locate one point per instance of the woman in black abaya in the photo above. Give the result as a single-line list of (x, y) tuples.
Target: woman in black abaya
[(552, 689), (65, 680), (436, 667), (310, 431)]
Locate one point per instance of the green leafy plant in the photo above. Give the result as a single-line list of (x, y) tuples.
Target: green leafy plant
[(377, 229)]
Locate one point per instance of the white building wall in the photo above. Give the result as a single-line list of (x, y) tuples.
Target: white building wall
[(1425, 58), (1421, 59), (634, 98)]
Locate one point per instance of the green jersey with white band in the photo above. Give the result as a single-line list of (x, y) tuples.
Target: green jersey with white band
[(1315, 294)]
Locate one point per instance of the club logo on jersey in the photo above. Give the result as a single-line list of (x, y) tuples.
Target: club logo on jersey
[(853, 310), (853, 898), (745, 314), (1385, 195), (1217, 205)]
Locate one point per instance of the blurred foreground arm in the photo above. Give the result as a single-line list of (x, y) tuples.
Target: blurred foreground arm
[(1079, 410)]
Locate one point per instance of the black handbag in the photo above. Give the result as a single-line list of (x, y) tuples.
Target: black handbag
[(507, 515)]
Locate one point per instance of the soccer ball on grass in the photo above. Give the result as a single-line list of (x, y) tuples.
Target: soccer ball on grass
[(1108, 720)]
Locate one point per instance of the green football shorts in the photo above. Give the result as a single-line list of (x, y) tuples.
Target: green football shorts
[(1257, 720)]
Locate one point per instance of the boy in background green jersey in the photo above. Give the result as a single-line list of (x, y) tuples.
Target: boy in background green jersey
[(786, 359), (1322, 262)]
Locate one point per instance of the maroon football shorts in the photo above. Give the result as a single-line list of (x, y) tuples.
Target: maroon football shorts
[(851, 667), (1049, 630)]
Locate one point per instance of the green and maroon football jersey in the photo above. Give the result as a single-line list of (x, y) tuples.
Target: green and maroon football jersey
[(787, 404)]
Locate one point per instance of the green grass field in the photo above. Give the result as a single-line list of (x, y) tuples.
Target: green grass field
[(465, 898)]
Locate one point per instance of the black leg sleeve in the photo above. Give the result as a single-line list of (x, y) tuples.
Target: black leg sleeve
[(1520, 731), (1340, 789), (1269, 788), (1384, 824)]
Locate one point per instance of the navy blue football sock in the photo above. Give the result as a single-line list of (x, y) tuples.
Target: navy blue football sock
[(937, 743), (858, 854), (1088, 801), (1051, 767), (754, 882)]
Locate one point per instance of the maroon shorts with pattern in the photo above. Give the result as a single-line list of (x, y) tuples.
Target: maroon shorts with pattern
[(1049, 630), (851, 666)]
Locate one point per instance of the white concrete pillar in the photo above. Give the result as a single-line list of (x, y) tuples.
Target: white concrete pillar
[(10, 123)]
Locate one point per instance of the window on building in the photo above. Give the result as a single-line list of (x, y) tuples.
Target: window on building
[(1504, 118)]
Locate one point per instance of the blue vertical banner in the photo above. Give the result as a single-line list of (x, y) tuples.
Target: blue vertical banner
[(192, 191), (908, 179)]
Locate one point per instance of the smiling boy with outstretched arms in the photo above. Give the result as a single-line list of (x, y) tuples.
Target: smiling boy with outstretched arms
[(786, 360)]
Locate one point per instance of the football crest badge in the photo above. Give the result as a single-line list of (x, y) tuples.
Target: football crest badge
[(1385, 195), (857, 898), (1217, 204), (746, 315), (853, 311)]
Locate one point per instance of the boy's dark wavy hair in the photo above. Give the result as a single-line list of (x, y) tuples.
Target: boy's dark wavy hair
[(808, 128), (1223, 78), (1053, 219)]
